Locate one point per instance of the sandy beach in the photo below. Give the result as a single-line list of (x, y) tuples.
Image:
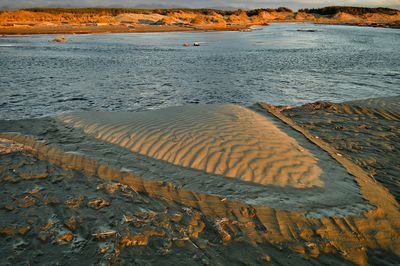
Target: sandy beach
[(105, 29), (313, 184)]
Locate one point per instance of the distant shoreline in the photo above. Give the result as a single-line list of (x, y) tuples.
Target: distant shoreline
[(103, 21), (110, 29), (114, 29)]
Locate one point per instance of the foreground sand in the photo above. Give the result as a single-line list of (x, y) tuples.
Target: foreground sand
[(59, 196)]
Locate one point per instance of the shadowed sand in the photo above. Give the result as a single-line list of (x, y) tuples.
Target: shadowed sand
[(226, 140)]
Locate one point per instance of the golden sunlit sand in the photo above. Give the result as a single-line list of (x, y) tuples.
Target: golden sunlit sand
[(226, 140)]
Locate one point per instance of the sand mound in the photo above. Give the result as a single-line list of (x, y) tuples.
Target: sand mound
[(382, 18), (139, 18), (224, 140), (345, 17), (272, 15)]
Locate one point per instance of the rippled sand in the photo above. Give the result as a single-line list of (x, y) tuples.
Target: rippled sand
[(226, 140)]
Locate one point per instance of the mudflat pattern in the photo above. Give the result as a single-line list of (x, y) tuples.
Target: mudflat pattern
[(90, 220), (367, 131), (226, 140)]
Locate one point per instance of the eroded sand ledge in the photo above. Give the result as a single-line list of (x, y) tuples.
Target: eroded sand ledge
[(350, 235)]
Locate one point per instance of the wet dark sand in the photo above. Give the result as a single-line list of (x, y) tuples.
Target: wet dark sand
[(40, 214), (58, 202), (366, 131)]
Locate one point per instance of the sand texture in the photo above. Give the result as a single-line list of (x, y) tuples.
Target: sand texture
[(66, 192), (367, 131), (224, 140)]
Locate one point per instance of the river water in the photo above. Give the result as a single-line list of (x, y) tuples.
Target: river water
[(128, 72)]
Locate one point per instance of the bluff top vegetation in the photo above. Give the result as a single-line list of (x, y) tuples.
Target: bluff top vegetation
[(356, 11), (119, 11), (195, 17), (325, 11), (330, 10)]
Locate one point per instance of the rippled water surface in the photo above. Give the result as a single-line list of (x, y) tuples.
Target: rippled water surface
[(276, 64)]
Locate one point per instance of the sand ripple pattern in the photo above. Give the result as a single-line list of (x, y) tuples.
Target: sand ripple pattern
[(226, 140)]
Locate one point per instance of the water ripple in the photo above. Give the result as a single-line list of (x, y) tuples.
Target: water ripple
[(131, 72)]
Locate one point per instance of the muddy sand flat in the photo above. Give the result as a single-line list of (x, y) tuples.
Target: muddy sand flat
[(211, 184), (367, 131)]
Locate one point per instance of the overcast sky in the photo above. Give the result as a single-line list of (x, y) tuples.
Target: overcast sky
[(294, 4)]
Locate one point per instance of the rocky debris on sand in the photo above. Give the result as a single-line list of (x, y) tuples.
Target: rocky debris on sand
[(266, 258), (98, 204), (220, 225), (148, 223), (65, 237), (105, 234), (23, 230), (110, 188), (8, 146), (25, 202), (71, 223), (7, 231), (74, 203), (141, 239)]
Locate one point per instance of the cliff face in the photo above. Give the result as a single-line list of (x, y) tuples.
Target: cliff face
[(190, 18)]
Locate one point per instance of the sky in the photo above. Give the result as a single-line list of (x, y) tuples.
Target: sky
[(249, 4)]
